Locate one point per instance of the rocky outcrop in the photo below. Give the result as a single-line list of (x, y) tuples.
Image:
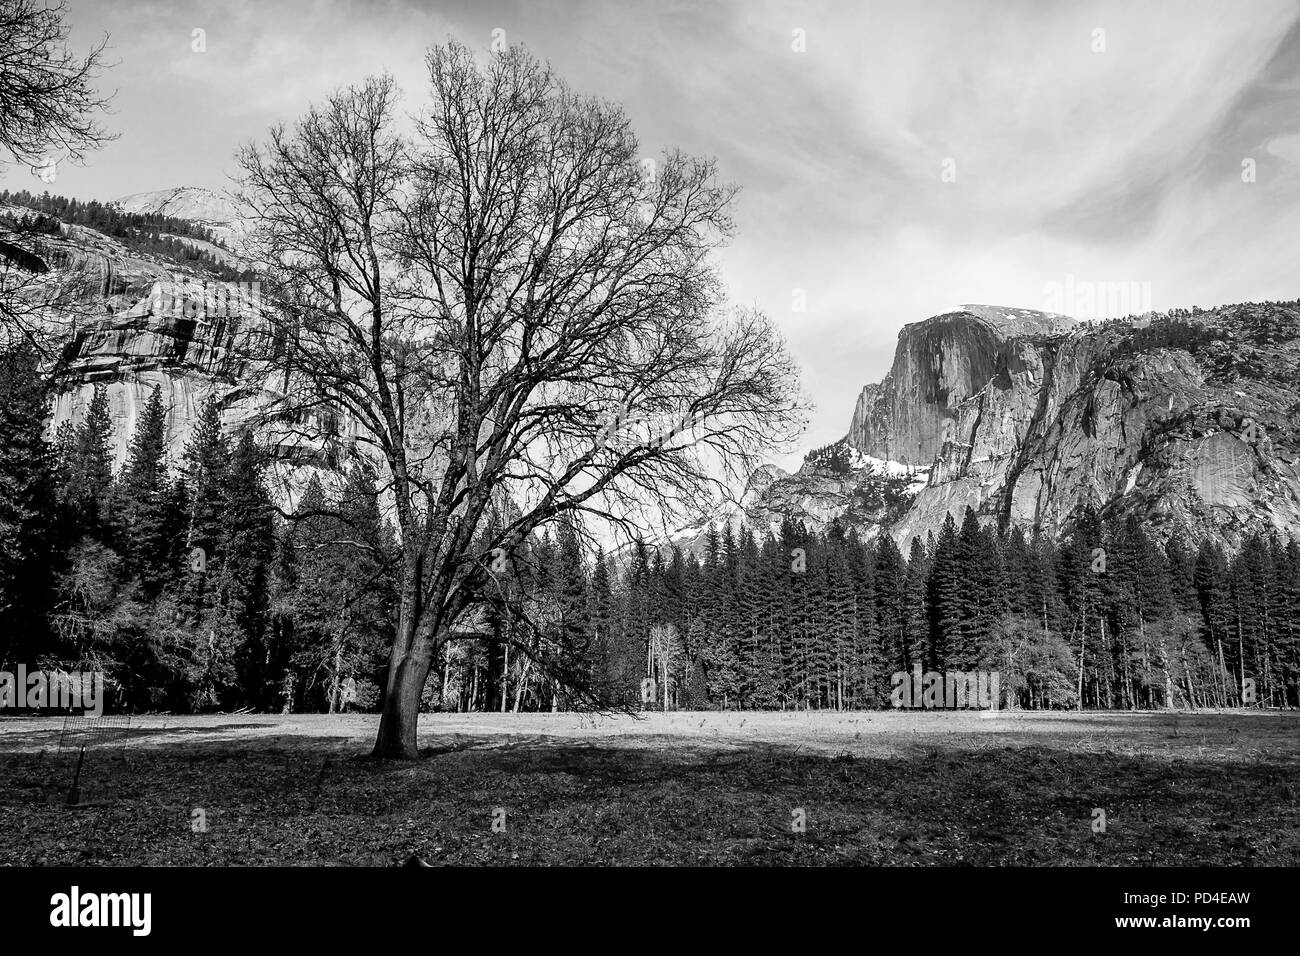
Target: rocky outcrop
[(132, 321), (939, 366), (1186, 423), (869, 494)]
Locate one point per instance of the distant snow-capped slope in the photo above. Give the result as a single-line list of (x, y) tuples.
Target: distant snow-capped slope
[(195, 203)]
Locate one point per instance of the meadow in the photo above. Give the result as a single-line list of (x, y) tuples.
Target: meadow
[(681, 788)]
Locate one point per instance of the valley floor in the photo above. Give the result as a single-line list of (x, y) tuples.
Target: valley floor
[(871, 788)]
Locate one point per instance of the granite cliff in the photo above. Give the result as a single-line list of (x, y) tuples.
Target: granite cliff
[(1186, 421), (131, 319)]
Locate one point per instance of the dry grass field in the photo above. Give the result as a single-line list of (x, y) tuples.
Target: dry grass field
[(683, 788)]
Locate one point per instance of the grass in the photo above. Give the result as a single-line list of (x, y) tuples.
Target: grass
[(670, 789)]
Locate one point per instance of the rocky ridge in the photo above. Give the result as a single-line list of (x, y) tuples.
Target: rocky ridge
[(1186, 422)]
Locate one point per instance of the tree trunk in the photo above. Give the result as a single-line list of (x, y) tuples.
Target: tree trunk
[(1241, 658), (1109, 677), (1082, 637), (334, 680), (407, 672), (523, 683), (505, 678), (446, 678), (1223, 672), (1169, 684)]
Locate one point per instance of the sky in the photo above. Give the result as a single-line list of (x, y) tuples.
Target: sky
[(896, 159)]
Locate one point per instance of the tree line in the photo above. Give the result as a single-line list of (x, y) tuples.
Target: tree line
[(834, 457), (107, 217), (191, 591), (147, 233), (1106, 618)]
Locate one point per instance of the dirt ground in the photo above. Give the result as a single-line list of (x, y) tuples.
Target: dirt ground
[(865, 788)]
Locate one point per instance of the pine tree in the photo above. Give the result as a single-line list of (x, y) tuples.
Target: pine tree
[(88, 469), (762, 659), (1210, 576), (972, 613), (891, 616), (915, 610), (1146, 599), (1289, 579), (866, 672), (246, 545), (311, 539), (148, 507), (800, 647), (1252, 581), (837, 600), (29, 531), (568, 582), (363, 585), (206, 462), (946, 600), (282, 623), (605, 680)]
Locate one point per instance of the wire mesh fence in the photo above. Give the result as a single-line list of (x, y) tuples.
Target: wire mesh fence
[(83, 743)]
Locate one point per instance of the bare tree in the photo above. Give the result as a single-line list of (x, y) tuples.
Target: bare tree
[(41, 306), (485, 301), (47, 106), (664, 656), (48, 99)]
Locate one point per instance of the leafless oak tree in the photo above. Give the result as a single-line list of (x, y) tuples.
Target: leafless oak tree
[(48, 109), (479, 298), (48, 100)]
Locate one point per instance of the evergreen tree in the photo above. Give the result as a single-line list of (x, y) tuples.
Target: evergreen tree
[(891, 612), (605, 679), (867, 674), (836, 613), (567, 578), (1211, 580), (88, 471), (915, 610), (29, 531), (246, 545), (946, 600), (206, 461), (148, 507)]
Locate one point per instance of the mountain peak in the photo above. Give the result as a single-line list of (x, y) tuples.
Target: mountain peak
[(196, 203), (1019, 321)]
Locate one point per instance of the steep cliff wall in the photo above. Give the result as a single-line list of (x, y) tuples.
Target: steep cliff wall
[(1186, 423), (132, 321), (939, 366)]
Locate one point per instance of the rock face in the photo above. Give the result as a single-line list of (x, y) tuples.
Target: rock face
[(164, 340), (133, 321), (1185, 422), (869, 494), (939, 366)]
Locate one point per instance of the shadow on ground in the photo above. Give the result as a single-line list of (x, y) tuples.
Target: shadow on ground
[(318, 800)]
